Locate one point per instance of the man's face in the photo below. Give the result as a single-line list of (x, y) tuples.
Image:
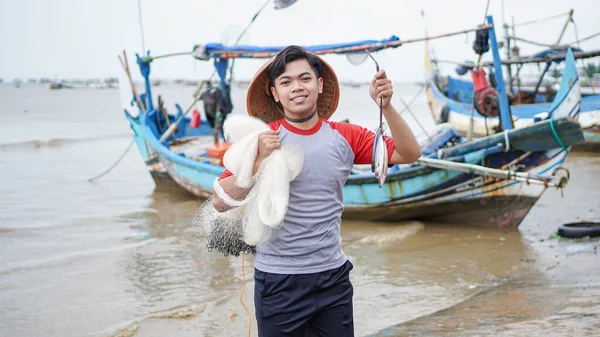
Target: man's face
[(297, 89)]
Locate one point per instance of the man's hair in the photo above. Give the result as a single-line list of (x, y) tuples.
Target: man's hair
[(291, 54)]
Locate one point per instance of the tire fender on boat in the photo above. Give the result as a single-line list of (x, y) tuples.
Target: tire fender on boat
[(580, 229), (444, 114)]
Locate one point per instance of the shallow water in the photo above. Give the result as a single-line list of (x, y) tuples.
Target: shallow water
[(88, 259)]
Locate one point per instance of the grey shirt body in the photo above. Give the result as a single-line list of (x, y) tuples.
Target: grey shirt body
[(309, 239)]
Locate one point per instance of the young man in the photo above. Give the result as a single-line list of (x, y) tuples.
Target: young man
[(302, 285)]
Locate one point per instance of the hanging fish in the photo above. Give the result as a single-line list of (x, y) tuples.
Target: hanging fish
[(379, 160)]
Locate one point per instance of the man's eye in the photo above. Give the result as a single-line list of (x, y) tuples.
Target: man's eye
[(285, 82), (306, 79)]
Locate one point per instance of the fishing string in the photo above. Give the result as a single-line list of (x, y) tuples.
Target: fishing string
[(242, 296)]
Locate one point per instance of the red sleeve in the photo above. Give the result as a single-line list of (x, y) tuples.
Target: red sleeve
[(361, 141), (274, 126), (225, 174)]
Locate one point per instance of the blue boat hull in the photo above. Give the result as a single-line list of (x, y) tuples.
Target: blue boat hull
[(413, 192)]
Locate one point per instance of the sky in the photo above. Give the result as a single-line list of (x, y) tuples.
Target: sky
[(82, 38)]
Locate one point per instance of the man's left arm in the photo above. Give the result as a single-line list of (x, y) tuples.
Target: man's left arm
[(407, 147)]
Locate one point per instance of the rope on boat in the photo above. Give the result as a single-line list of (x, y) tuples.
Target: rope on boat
[(556, 136), (541, 44), (528, 178), (141, 25), (579, 46), (541, 20), (406, 107), (115, 164), (506, 140)]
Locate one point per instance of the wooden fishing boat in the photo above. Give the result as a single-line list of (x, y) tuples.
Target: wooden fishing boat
[(486, 182)]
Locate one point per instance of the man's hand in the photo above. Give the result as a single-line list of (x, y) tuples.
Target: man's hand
[(381, 88), (268, 141)]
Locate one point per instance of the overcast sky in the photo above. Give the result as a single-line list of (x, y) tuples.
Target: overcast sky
[(82, 38)]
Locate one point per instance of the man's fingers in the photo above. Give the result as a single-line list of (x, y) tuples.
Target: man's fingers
[(387, 93), (384, 88), (382, 81), (380, 74)]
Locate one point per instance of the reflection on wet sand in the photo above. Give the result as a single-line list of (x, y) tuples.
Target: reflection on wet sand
[(402, 270)]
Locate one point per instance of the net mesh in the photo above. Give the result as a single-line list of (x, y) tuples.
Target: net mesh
[(258, 203), (223, 231)]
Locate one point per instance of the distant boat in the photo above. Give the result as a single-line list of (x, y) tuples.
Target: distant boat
[(82, 85), (492, 181), (55, 85)]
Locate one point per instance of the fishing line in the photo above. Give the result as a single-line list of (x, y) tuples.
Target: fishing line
[(242, 296)]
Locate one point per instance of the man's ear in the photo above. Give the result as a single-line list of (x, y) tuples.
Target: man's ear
[(320, 82), (274, 93)]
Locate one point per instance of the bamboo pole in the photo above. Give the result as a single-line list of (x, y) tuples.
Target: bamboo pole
[(125, 65), (495, 173), (173, 126)]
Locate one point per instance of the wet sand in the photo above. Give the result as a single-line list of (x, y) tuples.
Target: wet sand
[(556, 292)]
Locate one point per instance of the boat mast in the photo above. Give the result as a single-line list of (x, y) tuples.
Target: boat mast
[(505, 116), (508, 56), (507, 38)]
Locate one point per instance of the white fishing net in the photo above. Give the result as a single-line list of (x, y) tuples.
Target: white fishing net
[(250, 222)]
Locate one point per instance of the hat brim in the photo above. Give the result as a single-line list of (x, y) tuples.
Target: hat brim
[(259, 101)]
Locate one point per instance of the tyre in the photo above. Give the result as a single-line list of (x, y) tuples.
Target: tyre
[(444, 114), (579, 229)]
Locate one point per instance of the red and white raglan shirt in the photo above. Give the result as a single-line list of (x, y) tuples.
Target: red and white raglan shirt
[(309, 239)]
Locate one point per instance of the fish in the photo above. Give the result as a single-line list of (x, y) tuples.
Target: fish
[(379, 159)]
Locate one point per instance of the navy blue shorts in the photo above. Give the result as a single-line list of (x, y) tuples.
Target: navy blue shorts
[(318, 304)]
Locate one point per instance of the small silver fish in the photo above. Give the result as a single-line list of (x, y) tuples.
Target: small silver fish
[(379, 160)]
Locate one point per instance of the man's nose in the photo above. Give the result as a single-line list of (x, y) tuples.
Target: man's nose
[(297, 86)]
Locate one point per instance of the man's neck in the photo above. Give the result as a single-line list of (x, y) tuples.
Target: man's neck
[(303, 123)]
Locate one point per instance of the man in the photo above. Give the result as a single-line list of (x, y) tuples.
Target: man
[(302, 285)]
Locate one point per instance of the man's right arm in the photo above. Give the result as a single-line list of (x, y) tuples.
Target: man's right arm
[(267, 142), (235, 192)]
